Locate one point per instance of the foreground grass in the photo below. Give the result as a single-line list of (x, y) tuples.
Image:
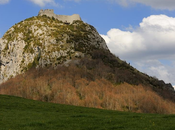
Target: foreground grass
[(23, 114)]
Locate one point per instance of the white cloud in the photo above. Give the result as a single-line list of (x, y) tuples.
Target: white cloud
[(124, 3), (157, 4), (155, 68), (152, 41), (123, 43), (43, 3), (73, 0), (4, 1), (153, 38)]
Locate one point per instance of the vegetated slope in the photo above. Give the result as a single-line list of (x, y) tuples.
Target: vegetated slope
[(93, 83), (42, 41), (93, 77), (19, 114)]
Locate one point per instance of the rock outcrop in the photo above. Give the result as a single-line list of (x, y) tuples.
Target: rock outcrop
[(44, 41)]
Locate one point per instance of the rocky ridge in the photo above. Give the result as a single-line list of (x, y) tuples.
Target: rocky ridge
[(43, 41)]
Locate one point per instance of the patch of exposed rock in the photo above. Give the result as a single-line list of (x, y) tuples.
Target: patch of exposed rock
[(43, 41)]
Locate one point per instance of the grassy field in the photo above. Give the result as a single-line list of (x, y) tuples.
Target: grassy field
[(23, 114)]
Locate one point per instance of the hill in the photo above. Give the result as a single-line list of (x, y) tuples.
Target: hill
[(19, 114), (48, 59), (87, 85), (43, 41)]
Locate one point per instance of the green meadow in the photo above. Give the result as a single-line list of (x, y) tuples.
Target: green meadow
[(22, 114)]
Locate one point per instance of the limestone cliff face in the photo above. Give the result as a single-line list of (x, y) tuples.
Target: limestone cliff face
[(43, 41)]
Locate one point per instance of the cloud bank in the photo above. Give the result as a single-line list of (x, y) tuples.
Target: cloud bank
[(40, 3), (43, 3), (73, 0), (157, 4), (154, 38), (147, 45), (4, 1)]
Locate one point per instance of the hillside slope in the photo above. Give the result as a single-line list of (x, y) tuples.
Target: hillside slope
[(19, 114), (93, 83), (67, 63), (42, 41)]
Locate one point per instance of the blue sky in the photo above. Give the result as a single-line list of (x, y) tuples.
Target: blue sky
[(141, 32)]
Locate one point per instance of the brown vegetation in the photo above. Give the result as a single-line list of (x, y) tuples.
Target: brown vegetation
[(83, 87)]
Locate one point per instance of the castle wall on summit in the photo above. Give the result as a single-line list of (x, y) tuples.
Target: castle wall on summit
[(63, 18)]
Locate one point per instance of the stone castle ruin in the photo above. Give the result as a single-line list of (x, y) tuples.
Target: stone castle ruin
[(63, 18)]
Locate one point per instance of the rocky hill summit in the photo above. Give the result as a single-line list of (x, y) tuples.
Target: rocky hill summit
[(61, 59), (46, 40), (50, 40)]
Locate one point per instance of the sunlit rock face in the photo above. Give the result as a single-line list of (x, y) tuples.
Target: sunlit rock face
[(44, 41)]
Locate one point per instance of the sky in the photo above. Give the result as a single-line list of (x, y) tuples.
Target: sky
[(140, 32)]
